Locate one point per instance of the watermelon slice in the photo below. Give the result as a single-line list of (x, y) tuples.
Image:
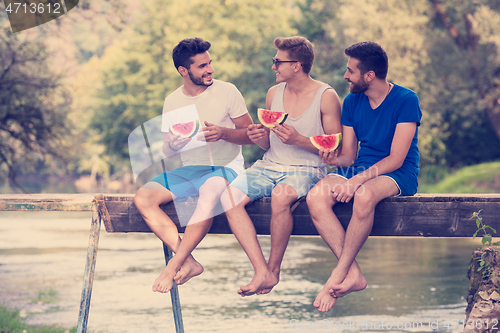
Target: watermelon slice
[(185, 130), (270, 118), (326, 141)]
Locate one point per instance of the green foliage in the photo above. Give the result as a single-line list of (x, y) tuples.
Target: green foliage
[(462, 90), (11, 322), (480, 178), (487, 237), (48, 295), (487, 240), (33, 106)]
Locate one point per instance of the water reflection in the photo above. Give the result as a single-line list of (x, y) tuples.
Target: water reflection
[(410, 280)]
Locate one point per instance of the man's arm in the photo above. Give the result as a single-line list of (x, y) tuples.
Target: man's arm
[(400, 146), (346, 154), (257, 133), (331, 112)]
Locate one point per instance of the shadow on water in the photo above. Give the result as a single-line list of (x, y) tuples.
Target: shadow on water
[(409, 280)]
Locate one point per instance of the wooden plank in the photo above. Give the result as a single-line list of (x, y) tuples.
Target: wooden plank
[(46, 202), (428, 215)]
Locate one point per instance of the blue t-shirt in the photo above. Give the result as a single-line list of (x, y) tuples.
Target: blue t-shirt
[(375, 128)]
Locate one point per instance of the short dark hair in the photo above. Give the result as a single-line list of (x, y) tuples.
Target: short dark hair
[(298, 48), (188, 48), (371, 57)]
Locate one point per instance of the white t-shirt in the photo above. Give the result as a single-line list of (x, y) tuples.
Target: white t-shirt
[(218, 104)]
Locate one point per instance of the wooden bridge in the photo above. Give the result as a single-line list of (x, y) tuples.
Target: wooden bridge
[(422, 215)]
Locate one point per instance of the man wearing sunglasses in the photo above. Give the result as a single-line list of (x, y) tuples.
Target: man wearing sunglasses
[(291, 164)]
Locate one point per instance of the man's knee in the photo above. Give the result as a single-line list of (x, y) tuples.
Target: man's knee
[(233, 197), (146, 197), (364, 202), (283, 196), (141, 198), (320, 196)]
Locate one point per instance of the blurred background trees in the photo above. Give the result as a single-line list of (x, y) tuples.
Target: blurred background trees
[(116, 61)]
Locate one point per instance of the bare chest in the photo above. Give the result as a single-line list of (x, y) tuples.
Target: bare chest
[(295, 105)]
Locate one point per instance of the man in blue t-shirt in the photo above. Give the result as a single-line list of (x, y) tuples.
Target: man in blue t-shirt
[(382, 119)]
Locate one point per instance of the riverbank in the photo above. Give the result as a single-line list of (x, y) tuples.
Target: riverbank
[(12, 320)]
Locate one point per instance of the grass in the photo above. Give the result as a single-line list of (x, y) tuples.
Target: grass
[(47, 295), (11, 322), (480, 178)]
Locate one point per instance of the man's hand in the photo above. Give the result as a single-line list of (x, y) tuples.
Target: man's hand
[(345, 191), (256, 132), (177, 144), (328, 156), (210, 133), (287, 134)]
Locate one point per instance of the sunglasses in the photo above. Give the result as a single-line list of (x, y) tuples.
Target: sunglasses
[(277, 62)]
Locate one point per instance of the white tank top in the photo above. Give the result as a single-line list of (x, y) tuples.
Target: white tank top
[(283, 157)]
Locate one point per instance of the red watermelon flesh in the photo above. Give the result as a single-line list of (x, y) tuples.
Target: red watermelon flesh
[(270, 118), (326, 141), (185, 130)]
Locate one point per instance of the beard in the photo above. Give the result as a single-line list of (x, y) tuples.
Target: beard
[(200, 81), (358, 88)]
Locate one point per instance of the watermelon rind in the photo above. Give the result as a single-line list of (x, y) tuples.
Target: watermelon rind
[(320, 141), (174, 129), (280, 117)]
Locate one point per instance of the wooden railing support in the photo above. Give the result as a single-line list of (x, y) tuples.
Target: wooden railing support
[(174, 295), (88, 278)]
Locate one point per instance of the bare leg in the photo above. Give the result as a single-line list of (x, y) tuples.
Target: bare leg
[(179, 268), (365, 199), (346, 277), (320, 202), (282, 197), (182, 266), (244, 230)]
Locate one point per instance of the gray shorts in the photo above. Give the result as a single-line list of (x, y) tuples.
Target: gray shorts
[(258, 182)]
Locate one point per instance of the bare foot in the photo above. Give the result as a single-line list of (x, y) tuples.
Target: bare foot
[(268, 290), (349, 285), (324, 301), (165, 281), (327, 297), (189, 269), (259, 283)]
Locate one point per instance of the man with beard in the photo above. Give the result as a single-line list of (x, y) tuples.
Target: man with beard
[(382, 119), (210, 160)]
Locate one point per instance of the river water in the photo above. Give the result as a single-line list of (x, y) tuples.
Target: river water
[(414, 284)]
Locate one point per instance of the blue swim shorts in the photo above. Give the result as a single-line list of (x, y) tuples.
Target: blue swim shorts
[(258, 182), (407, 184), (186, 181)]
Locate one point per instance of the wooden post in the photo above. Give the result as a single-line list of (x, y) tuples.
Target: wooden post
[(174, 295), (88, 279)]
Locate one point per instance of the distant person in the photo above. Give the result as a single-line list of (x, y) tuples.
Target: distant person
[(212, 161), (290, 166), (382, 118)]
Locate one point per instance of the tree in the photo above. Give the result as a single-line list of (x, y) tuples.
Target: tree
[(32, 108), (465, 52)]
